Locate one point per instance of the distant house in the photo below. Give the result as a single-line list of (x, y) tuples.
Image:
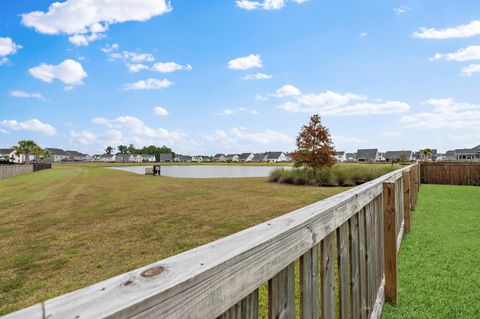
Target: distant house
[(450, 156), (107, 158), (245, 157), (288, 157), (57, 155), (231, 158), (381, 157), (219, 157), (398, 156), (259, 157), (468, 154), (276, 157), (183, 158), (138, 158), (367, 155), (147, 158), (96, 157), (78, 157), (124, 158), (351, 157), (8, 155), (340, 157), (166, 158), (197, 158)]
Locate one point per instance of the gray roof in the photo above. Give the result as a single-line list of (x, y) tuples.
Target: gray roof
[(351, 155), (340, 153), (184, 157), (258, 157), (150, 155), (244, 156), (274, 155), (467, 151), (219, 155), (450, 152), (398, 155), (107, 155), (6, 150), (123, 156), (166, 157), (477, 147), (56, 151), (368, 154), (75, 153)]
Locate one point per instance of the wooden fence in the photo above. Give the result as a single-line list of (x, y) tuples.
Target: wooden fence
[(15, 169), (451, 173), (353, 236)]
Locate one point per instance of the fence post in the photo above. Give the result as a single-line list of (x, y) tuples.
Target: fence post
[(406, 201), (412, 187), (390, 242)]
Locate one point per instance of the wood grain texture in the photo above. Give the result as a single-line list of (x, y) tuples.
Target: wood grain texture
[(354, 267), (390, 242), (207, 281), (406, 201), (343, 273), (309, 298), (369, 235), (245, 309), (362, 263), (281, 294), (327, 272)]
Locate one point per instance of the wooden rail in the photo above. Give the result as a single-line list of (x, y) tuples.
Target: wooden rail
[(451, 173), (353, 236)]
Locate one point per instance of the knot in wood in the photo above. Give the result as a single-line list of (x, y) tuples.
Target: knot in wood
[(151, 272)]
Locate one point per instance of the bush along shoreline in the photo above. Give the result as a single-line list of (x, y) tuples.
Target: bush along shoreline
[(337, 175)]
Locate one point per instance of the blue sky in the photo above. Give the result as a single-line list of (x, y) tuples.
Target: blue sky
[(234, 76)]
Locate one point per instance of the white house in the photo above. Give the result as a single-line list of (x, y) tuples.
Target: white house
[(231, 158), (197, 158), (57, 154), (138, 158), (79, 157), (150, 157), (8, 155), (340, 157), (276, 157), (245, 157), (219, 157), (107, 158), (125, 158)]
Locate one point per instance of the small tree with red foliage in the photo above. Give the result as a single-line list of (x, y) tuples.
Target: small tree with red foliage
[(314, 146)]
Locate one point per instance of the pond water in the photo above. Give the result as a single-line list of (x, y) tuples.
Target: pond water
[(205, 171)]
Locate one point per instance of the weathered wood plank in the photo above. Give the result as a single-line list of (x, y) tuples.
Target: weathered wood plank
[(343, 273), (245, 309), (327, 272), (390, 242), (406, 201), (309, 297), (369, 236), (362, 263), (354, 267), (281, 294), (32, 312), (207, 281), (379, 301)]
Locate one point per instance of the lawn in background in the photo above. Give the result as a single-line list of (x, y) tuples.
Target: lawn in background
[(439, 261), (74, 225)]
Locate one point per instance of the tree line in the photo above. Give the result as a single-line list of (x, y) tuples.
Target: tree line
[(27, 148), (131, 149)]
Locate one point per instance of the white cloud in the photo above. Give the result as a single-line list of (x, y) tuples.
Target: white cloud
[(129, 129), (84, 137), (160, 111), (257, 76), (260, 97), (287, 90), (69, 72), (471, 69), (461, 31), (401, 9), (241, 138), (265, 5), (7, 47), (332, 103), (148, 84), (363, 35), (137, 67), (32, 125), (246, 62), (445, 113), (86, 20), (465, 54), (227, 112), (167, 67), (23, 94), (127, 56)]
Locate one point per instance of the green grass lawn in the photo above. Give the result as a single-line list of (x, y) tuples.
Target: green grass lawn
[(74, 225), (439, 262)]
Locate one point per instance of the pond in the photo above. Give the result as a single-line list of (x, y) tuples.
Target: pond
[(205, 171)]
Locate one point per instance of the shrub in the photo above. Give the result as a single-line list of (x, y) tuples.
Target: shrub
[(338, 175)]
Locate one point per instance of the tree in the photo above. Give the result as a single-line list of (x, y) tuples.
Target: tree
[(132, 149), (426, 154), (109, 150), (122, 149), (45, 154), (25, 147), (314, 146), (38, 152)]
